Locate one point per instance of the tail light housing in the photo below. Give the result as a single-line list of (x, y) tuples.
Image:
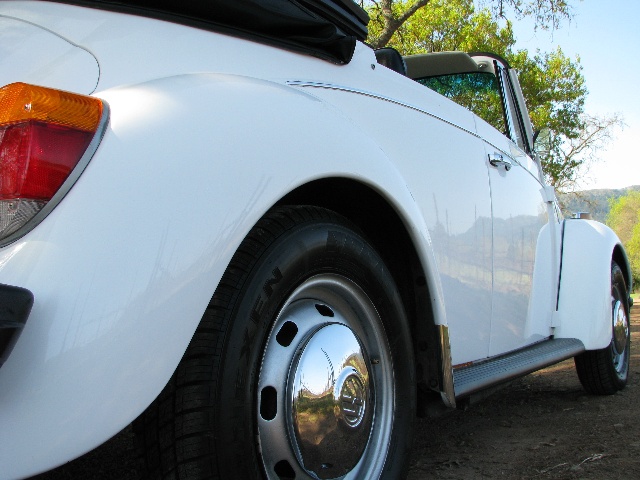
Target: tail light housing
[(47, 137)]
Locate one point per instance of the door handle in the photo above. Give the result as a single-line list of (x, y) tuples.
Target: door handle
[(499, 160)]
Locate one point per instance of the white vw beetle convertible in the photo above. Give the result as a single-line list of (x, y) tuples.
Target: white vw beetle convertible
[(268, 246)]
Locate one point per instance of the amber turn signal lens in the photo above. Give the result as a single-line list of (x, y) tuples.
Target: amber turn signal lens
[(21, 102)]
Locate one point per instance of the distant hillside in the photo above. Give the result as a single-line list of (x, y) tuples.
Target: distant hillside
[(595, 202)]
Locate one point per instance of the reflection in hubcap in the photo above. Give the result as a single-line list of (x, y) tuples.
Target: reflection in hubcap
[(330, 395), (620, 339), (352, 398), (620, 327)]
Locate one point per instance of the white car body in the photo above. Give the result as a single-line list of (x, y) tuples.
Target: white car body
[(206, 133)]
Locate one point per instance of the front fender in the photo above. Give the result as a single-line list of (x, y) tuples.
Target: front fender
[(584, 301)]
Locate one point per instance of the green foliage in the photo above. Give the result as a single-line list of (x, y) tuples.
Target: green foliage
[(625, 214), (443, 25), (633, 251), (624, 218), (390, 15)]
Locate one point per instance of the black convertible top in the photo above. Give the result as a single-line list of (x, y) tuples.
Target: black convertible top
[(324, 28)]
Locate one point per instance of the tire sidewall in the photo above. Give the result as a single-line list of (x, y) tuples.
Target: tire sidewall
[(296, 255)]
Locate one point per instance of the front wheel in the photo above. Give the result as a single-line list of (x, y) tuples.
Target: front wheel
[(302, 365), (605, 371)]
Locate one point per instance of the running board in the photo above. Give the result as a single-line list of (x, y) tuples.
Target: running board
[(473, 378)]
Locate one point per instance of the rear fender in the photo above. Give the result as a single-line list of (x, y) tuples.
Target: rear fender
[(123, 268)]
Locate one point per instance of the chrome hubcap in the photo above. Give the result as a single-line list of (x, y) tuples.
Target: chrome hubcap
[(325, 388), (620, 335), (329, 402)]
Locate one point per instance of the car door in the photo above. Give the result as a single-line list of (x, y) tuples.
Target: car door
[(525, 228), (525, 224)]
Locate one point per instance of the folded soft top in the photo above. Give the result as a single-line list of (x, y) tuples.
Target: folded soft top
[(324, 28)]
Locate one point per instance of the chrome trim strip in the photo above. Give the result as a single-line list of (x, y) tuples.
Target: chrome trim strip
[(68, 183), (330, 86), (377, 96)]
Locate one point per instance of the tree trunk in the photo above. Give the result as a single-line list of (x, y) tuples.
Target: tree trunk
[(391, 23)]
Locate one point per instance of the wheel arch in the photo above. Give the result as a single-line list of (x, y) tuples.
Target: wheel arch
[(620, 257), (385, 228), (370, 212)]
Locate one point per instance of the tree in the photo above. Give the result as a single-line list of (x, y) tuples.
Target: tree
[(552, 83), (389, 15), (633, 251), (445, 25), (555, 90), (624, 218), (571, 156)]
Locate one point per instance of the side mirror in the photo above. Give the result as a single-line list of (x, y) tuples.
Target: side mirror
[(542, 141)]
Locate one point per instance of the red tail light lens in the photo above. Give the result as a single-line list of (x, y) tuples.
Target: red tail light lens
[(44, 134), (36, 158)]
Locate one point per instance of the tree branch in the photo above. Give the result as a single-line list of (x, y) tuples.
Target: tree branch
[(391, 23)]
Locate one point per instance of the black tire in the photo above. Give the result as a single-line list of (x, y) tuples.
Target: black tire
[(239, 404), (605, 371)]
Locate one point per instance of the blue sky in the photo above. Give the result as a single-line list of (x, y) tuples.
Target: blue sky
[(606, 37)]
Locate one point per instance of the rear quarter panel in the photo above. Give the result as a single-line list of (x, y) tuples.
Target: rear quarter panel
[(124, 267)]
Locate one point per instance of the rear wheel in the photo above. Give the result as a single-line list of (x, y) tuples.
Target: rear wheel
[(605, 371), (301, 367)]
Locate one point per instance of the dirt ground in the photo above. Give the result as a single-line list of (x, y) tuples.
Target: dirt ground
[(540, 427)]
